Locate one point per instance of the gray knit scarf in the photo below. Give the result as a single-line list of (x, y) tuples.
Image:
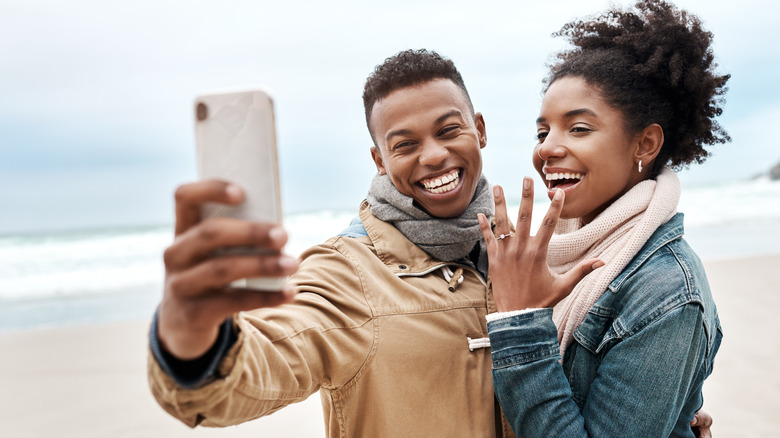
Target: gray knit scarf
[(443, 239)]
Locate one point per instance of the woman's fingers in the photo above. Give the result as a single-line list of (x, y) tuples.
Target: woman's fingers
[(202, 240), (487, 232), (190, 197), (570, 278), (547, 228), (501, 219), (523, 225)]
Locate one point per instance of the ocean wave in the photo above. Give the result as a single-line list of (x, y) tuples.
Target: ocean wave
[(727, 203), (107, 261)]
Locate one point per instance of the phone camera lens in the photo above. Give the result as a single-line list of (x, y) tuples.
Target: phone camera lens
[(201, 111)]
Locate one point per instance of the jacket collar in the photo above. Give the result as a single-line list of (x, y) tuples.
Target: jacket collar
[(396, 251), (668, 232)]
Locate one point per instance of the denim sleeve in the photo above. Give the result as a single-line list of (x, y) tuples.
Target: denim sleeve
[(641, 389), (193, 373)]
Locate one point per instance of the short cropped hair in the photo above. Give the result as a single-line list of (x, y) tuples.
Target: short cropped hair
[(406, 69)]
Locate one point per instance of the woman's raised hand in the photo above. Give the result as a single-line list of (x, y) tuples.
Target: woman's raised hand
[(518, 262)]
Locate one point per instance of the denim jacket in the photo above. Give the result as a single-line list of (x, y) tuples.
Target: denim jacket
[(639, 358)]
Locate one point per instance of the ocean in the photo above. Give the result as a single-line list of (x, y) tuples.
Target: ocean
[(54, 279)]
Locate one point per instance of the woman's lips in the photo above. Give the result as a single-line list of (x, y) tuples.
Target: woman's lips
[(565, 180)]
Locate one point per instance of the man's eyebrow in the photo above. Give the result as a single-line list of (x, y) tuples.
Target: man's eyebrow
[(392, 134), (438, 120), (447, 115), (570, 114)]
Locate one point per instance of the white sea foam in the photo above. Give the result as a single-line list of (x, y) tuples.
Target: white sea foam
[(108, 261), (728, 203), (35, 266)]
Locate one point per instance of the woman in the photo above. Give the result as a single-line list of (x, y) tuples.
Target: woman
[(627, 351)]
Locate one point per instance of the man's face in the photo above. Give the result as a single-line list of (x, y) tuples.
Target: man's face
[(428, 143)]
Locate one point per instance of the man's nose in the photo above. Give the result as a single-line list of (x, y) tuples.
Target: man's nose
[(433, 153)]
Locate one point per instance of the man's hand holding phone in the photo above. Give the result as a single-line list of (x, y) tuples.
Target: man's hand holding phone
[(197, 295), (226, 256)]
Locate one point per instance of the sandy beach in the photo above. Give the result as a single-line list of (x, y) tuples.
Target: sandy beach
[(90, 381)]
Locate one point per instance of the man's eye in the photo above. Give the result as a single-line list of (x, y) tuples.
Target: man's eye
[(449, 130), (402, 144)]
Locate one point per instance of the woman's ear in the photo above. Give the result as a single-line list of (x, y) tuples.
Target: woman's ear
[(649, 143)]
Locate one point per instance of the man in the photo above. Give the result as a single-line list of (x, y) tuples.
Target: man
[(374, 325), (380, 324)]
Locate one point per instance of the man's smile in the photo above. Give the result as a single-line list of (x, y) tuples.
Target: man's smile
[(443, 183)]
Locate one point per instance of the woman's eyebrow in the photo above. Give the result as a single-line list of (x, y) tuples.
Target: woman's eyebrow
[(579, 112), (570, 114)]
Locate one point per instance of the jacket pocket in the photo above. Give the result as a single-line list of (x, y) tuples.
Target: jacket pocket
[(597, 331)]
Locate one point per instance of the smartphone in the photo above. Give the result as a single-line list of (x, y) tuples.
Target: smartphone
[(236, 141)]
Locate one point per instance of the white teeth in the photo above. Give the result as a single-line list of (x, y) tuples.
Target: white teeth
[(567, 175), (443, 183)]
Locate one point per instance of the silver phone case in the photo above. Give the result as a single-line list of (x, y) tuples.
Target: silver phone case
[(236, 141)]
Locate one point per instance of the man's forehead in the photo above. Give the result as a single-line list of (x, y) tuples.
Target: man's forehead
[(436, 98), (444, 89)]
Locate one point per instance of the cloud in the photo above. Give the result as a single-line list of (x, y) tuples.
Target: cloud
[(97, 89)]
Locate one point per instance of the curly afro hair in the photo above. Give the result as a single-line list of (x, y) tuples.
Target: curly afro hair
[(406, 69), (654, 64)]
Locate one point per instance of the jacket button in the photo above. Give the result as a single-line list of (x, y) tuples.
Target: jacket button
[(402, 266)]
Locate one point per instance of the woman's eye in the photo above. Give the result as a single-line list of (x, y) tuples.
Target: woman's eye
[(580, 129), (540, 136)]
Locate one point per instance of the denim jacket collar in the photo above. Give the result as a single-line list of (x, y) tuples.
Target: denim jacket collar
[(668, 232)]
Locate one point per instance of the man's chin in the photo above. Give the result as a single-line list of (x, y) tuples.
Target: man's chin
[(442, 210), (443, 205)]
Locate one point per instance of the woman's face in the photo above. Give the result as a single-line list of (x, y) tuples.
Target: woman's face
[(583, 149)]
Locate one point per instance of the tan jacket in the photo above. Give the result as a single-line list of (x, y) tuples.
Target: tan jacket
[(375, 330)]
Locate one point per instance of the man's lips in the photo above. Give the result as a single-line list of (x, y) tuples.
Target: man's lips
[(442, 183)]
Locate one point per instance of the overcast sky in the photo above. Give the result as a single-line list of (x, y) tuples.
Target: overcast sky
[(96, 125)]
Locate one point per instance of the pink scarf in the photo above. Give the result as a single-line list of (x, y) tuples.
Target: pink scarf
[(615, 236)]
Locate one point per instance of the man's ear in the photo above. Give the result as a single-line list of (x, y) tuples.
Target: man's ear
[(480, 122), (376, 155), (649, 144)]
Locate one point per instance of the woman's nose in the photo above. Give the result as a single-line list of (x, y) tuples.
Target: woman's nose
[(550, 148)]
